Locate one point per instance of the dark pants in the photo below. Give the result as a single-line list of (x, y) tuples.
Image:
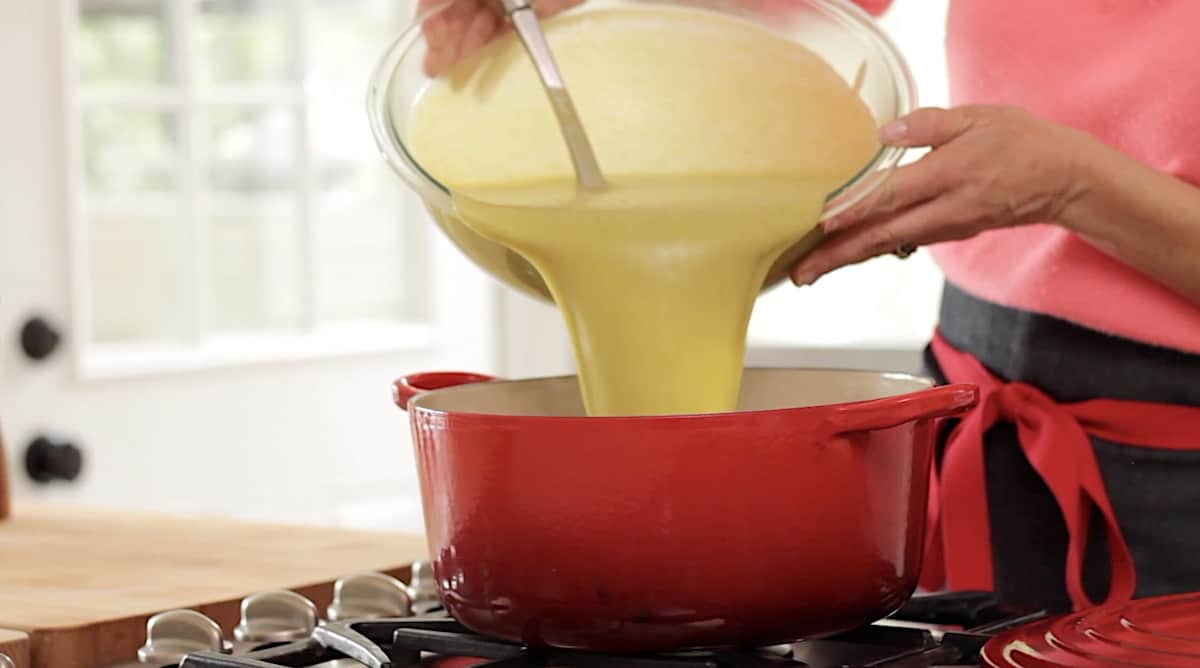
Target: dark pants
[(1155, 493)]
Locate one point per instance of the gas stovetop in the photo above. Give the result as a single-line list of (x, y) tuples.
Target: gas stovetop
[(379, 622)]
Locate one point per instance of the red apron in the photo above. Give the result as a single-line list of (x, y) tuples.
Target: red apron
[(1055, 439)]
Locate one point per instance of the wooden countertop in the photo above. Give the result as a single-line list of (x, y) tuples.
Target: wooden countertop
[(83, 582)]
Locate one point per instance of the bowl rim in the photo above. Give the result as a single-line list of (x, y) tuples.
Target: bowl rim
[(396, 154)]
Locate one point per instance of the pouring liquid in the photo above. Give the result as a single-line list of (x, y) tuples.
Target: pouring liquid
[(720, 142)]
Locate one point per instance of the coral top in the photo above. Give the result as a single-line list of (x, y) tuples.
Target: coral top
[(1125, 71)]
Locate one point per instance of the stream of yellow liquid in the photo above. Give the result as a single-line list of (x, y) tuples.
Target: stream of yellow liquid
[(720, 142)]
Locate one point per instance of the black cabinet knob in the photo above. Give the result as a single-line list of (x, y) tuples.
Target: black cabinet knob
[(39, 339), (46, 461)]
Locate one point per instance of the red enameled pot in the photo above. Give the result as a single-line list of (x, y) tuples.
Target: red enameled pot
[(802, 513)]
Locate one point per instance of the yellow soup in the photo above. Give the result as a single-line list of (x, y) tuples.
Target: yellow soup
[(720, 142)]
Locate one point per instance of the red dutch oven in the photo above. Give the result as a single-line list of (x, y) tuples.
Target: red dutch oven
[(803, 513)]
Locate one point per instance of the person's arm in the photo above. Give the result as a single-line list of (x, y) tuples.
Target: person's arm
[(1148, 219), (996, 167)]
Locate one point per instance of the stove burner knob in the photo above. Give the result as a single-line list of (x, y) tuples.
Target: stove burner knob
[(6, 661), (276, 616), (422, 588), (369, 596), (173, 634)]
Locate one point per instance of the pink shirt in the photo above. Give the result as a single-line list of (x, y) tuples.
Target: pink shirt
[(1128, 73)]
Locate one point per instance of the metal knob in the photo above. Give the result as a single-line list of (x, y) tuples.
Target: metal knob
[(422, 588), (39, 339), (367, 596), (46, 461), (6, 661), (174, 634), (276, 616)]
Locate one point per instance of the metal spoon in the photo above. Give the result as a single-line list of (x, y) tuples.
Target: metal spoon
[(525, 20)]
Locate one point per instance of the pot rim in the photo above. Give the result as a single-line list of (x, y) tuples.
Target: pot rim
[(928, 402)]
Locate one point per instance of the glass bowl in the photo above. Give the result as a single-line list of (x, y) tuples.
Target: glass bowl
[(845, 36)]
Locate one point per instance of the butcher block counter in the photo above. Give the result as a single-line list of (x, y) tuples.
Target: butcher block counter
[(82, 583)]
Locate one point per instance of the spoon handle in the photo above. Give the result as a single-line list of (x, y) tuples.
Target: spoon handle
[(525, 20)]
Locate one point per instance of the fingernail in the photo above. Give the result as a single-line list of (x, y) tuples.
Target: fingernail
[(833, 224), (804, 278), (894, 131)]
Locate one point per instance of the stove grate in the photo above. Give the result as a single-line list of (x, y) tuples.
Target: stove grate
[(967, 619)]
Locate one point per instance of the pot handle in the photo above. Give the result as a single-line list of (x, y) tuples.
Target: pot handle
[(407, 387), (938, 402)]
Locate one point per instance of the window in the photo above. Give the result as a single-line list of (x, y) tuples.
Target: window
[(884, 303), (229, 186)]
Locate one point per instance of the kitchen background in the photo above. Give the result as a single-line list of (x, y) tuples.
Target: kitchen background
[(190, 197)]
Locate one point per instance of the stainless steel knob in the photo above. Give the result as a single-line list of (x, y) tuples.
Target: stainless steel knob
[(173, 634), (6, 661), (422, 588), (367, 596), (276, 616)]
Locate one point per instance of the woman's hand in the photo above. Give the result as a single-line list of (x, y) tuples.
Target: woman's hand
[(465, 26), (990, 167)]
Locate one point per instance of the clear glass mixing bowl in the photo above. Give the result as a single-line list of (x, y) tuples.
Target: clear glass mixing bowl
[(837, 30)]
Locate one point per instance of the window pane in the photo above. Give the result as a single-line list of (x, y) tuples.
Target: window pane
[(124, 42), (130, 150), (366, 257), (255, 250), (243, 40), (255, 281), (347, 38), (134, 277), (251, 149), (367, 245)]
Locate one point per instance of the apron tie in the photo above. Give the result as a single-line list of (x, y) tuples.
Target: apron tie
[(1055, 440)]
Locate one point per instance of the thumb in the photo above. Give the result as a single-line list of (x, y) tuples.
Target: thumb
[(926, 127)]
